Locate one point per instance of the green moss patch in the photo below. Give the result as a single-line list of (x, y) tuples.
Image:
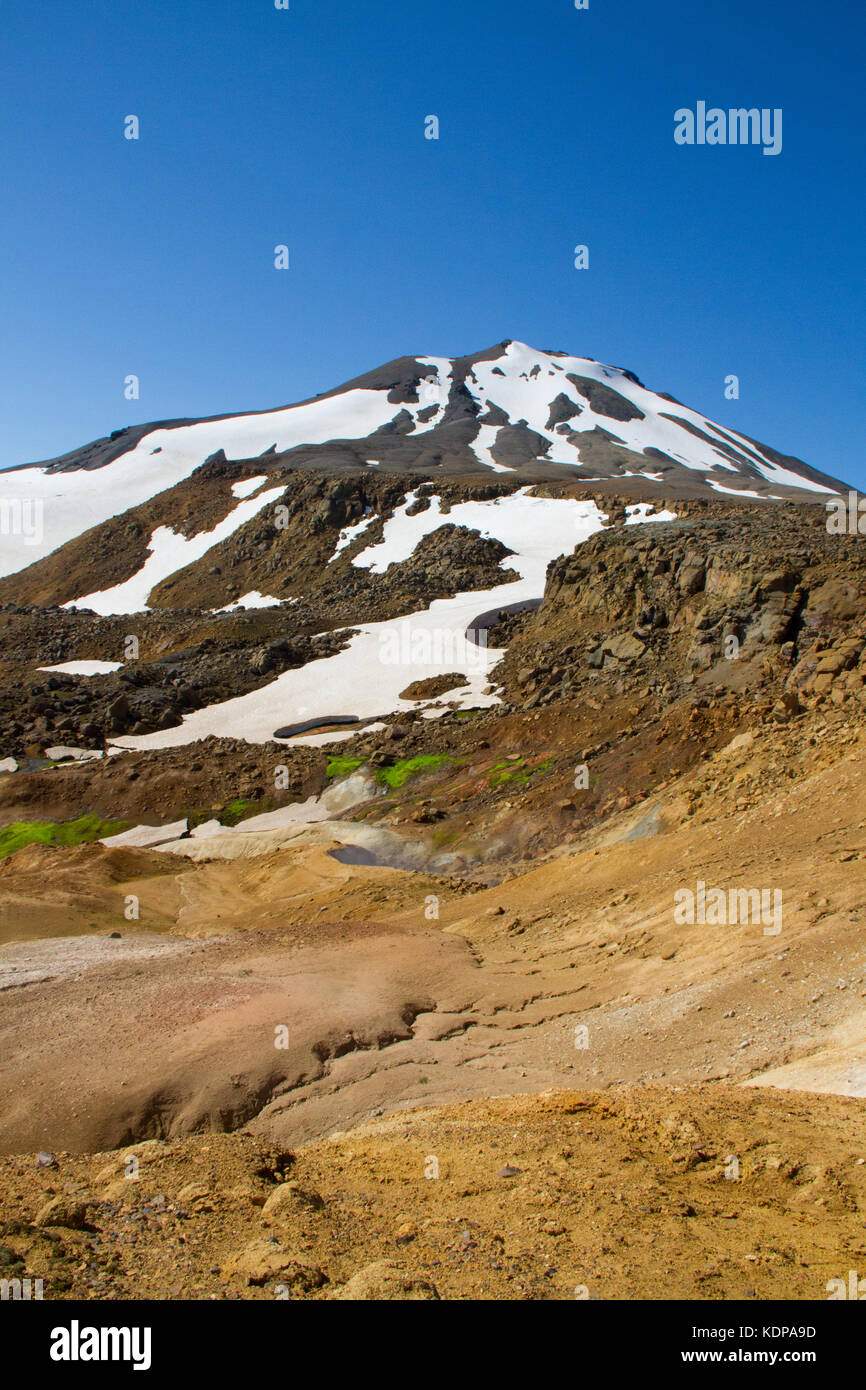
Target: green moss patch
[(83, 831), (235, 811), (441, 839), (395, 775), (516, 773), (399, 773), (342, 767)]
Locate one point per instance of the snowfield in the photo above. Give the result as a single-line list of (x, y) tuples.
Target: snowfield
[(72, 503), (349, 534), (533, 379), (643, 511), (366, 678), (521, 381), (515, 521)]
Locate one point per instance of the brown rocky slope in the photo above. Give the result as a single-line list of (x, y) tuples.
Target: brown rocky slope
[(584, 1050)]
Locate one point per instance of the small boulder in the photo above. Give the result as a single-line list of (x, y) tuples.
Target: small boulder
[(63, 1211), (263, 1260), (289, 1199), (625, 647), (385, 1281)]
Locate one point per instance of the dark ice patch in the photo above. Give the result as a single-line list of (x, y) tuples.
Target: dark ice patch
[(335, 720)]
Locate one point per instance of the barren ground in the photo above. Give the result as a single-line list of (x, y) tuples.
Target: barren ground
[(495, 1063)]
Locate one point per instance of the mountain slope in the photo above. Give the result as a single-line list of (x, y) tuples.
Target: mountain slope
[(510, 410)]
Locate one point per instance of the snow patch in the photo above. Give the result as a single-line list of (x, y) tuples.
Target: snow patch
[(643, 511), (350, 533), (740, 492), (60, 753), (246, 486), (252, 600), (170, 552), (84, 668), (482, 445), (143, 836)]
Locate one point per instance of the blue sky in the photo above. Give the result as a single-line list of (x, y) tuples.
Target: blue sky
[(306, 127)]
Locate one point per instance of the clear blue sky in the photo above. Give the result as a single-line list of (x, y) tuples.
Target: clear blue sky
[(306, 127)]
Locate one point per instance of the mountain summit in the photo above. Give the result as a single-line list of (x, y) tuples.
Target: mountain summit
[(509, 410)]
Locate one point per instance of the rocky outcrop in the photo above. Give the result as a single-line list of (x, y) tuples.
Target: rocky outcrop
[(758, 597)]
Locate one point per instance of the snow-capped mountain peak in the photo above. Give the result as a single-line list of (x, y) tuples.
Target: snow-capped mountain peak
[(511, 409)]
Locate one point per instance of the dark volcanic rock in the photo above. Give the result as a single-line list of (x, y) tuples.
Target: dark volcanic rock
[(604, 400), (562, 409), (516, 445)]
